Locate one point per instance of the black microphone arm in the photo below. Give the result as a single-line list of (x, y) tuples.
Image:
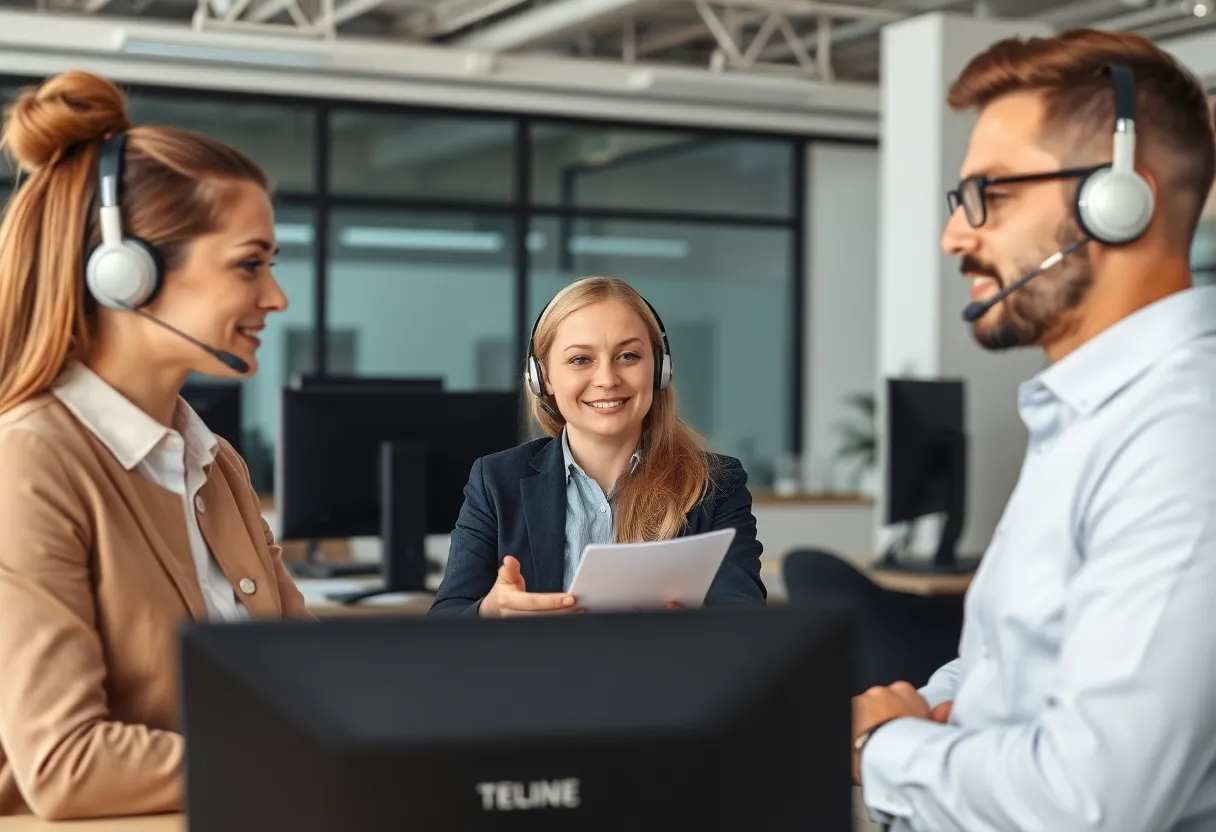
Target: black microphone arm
[(974, 311), (229, 360)]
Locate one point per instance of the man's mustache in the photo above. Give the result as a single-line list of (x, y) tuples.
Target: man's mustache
[(971, 266)]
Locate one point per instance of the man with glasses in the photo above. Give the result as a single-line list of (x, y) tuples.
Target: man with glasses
[(1084, 694)]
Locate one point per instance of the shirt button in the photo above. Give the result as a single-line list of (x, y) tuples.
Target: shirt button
[(198, 504), (603, 509), (984, 651), (248, 586)]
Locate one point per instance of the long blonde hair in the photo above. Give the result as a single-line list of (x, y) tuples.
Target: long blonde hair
[(675, 471), (174, 190)]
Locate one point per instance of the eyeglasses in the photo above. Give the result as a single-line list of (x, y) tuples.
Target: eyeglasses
[(970, 193)]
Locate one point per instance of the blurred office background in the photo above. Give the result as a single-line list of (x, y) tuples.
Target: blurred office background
[(424, 243), (423, 240)]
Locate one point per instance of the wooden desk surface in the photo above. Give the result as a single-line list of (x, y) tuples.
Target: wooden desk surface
[(177, 823), (150, 823), (918, 583), (913, 583), (410, 606), (317, 591)]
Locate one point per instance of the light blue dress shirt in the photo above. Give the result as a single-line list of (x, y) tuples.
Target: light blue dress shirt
[(588, 511), (1085, 689)]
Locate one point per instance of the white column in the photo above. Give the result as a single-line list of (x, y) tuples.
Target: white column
[(841, 299), (920, 291)]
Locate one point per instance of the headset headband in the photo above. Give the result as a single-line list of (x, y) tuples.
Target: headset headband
[(662, 329), (109, 169), (662, 360), (1114, 203), (1123, 85), (109, 187), (123, 272)]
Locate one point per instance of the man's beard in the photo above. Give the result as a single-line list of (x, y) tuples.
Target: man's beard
[(1041, 307)]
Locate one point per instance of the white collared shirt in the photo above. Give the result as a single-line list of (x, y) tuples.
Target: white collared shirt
[(1085, 688), (175, 458)]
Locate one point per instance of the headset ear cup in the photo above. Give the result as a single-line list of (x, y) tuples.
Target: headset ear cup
[(123, 276), (663, 377), (157, 269), (1114, 208), (535, 378)]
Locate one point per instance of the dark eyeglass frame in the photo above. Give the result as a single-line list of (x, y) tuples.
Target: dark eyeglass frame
[(975, 187)]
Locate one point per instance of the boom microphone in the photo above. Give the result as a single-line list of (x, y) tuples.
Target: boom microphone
[(978, 309), (229, 360)]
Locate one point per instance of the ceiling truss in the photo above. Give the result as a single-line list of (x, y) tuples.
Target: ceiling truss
[(812, 39)]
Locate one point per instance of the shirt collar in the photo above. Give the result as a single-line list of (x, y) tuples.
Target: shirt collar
[(571, 466), (128, 432), (1095, 372)]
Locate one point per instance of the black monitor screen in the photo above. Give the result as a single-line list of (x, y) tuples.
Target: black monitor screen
[(707, 719), (309, 380), (925, 424), (328, 455), (218, 404)]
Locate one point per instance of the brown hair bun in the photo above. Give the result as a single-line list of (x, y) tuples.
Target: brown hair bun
[(70, 109)]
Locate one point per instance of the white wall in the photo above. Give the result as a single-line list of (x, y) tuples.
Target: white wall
[(1197, 51), (840, 335), (921, 293)]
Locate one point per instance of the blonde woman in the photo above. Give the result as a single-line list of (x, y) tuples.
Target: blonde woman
[(122, 515), (617, 465)]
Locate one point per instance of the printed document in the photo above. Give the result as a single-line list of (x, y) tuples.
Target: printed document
[(632, 576)]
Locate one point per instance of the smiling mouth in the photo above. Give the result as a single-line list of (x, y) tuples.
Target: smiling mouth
[(250, 334), (982, 285), (607, 405)]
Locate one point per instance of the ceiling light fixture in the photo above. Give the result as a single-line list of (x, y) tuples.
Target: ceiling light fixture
[(170, 49)]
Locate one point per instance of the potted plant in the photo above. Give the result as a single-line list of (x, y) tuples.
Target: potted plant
[(858, 447)]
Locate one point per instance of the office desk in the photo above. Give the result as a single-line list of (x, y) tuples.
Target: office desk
[(916, 583), (316, 593), (912, 583), (151, 823), (177, 823), (413, 605)]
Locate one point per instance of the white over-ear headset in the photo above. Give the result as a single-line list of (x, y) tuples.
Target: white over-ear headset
[(122, 272), (534, 374), (1115, 203)]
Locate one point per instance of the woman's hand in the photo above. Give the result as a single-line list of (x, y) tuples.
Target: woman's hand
[(509, 596)]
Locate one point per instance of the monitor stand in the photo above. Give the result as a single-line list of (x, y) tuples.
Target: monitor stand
[(945, 561), (403, 522), (314, 568)]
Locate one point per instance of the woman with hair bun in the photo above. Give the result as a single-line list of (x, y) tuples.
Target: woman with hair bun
[(130, 257)]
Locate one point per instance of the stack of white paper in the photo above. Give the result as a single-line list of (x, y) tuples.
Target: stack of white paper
[(628, 576)]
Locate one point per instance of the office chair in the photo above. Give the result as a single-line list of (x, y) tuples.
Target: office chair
[(903, 637)]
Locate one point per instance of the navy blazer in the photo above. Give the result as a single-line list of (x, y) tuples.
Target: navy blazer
[(515, 504)]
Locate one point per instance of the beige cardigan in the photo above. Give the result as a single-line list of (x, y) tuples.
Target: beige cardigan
[(96, 576)]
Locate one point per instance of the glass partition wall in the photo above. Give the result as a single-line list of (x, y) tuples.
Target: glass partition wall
[(422, 242)]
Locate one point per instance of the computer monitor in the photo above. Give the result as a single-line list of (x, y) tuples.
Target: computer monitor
[(303, 381), (927, 464), (312, 566), (708, 719), (218, 404), (358, 461)]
